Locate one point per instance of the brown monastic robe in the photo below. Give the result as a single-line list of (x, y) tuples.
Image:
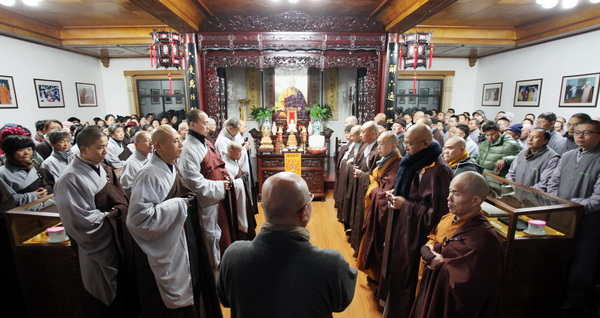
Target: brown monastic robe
[(114, 199), (206, 303), (467, 283), (213, 168), (350, 183), (407, 231), (357, 216), (338, 184), (370, 254)]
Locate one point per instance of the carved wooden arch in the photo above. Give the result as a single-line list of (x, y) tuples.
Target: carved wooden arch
[(368, 60)]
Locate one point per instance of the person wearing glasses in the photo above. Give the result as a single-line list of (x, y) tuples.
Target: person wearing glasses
[(577, 178), (294, 278), (568, 143), (418, 202)]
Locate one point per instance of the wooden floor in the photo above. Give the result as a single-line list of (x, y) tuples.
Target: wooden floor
[(327, 232)]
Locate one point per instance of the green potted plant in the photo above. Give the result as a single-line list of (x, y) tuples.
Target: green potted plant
[(261, 115), (320, 115)]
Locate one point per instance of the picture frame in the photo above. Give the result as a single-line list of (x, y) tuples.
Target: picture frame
[(492, 94), (579, 90), (401, 97), (8, 94), (178, 99), (168, 99), (49, 93), (528, 93), (423, 91), (86, 95), (155, 99)]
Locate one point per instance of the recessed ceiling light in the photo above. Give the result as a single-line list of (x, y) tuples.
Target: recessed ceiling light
[(8, 3)]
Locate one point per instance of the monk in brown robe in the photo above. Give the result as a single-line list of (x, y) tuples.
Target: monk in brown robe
[(341, 156), (347, 177), (383, 178), (419, 202), (369, 133), (462, 261)]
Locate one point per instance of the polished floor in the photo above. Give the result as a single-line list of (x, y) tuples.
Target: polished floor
[(327, 232)]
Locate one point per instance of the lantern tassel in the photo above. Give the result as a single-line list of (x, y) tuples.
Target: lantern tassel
[(415, 56), (431, 55), (414, 82), (400, 58), (170, 85)]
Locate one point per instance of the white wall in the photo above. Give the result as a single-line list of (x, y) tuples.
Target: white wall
[(549, 61), (116, 91), (25, 61), (462, 84)]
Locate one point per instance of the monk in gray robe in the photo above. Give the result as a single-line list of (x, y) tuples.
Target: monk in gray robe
[(91, 201), (164, 220), (133, 164)]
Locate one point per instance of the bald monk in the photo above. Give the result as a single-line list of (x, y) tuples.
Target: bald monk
[(382, 178), (463, 257), (347, 177), (419, 202), (294, 278), (369, 133), (135, 162), (205, 173), (175, 276)]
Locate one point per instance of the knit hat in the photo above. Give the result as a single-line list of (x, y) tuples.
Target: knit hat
[(516, 128), (9, 131)]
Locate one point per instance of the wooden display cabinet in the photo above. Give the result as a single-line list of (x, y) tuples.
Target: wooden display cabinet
[(313, 170), (48, 273), (536, 267)]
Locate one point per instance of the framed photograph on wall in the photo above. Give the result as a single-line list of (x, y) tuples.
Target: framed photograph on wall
[(423, 91), (168, 99), (8, 95), (491, 95), (401, 99), (49, 93), (178, 99), (579, 90), (155, 99), (86, 95), (527, 93)]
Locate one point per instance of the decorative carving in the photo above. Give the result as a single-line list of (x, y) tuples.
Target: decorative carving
[(292, 21), (273, 163), (311, 163), (314, 180)]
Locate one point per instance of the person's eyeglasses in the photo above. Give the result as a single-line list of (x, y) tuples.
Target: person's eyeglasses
[(586, 133), (312, 196), (410, 144)]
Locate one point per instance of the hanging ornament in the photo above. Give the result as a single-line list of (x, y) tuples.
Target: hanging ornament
[(165, 50), (418, 49), (170, 85)]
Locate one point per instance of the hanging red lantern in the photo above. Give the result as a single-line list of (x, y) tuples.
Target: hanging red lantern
[(167, 48)]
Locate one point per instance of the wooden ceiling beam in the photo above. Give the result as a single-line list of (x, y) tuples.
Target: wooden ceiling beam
[(182, 15), (582, 19), (401, 15), (108, 35), (468, 35), (25, 28)]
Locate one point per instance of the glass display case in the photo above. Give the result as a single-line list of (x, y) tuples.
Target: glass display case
[(536, 260), (48, 272)]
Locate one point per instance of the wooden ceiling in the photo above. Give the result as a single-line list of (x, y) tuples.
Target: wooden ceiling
[(462, 28)]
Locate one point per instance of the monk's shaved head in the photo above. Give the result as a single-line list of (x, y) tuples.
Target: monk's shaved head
[(473, 183), (388, 137), (420, 132), (141, 135), (284, 195), (162, 133)]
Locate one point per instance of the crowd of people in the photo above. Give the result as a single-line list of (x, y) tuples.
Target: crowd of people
[(159, 208), (410, 201)]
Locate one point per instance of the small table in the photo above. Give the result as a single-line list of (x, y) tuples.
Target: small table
[(313, 171)]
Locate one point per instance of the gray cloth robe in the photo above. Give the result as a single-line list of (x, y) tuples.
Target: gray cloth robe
[(158, 228), (114, 149), (98, 257), (131, 167), (240, 187), (556, 141), (55, 165), (209, 192), (535, 171)]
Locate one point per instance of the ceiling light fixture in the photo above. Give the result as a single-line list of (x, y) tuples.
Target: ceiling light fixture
[(566, 4)]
